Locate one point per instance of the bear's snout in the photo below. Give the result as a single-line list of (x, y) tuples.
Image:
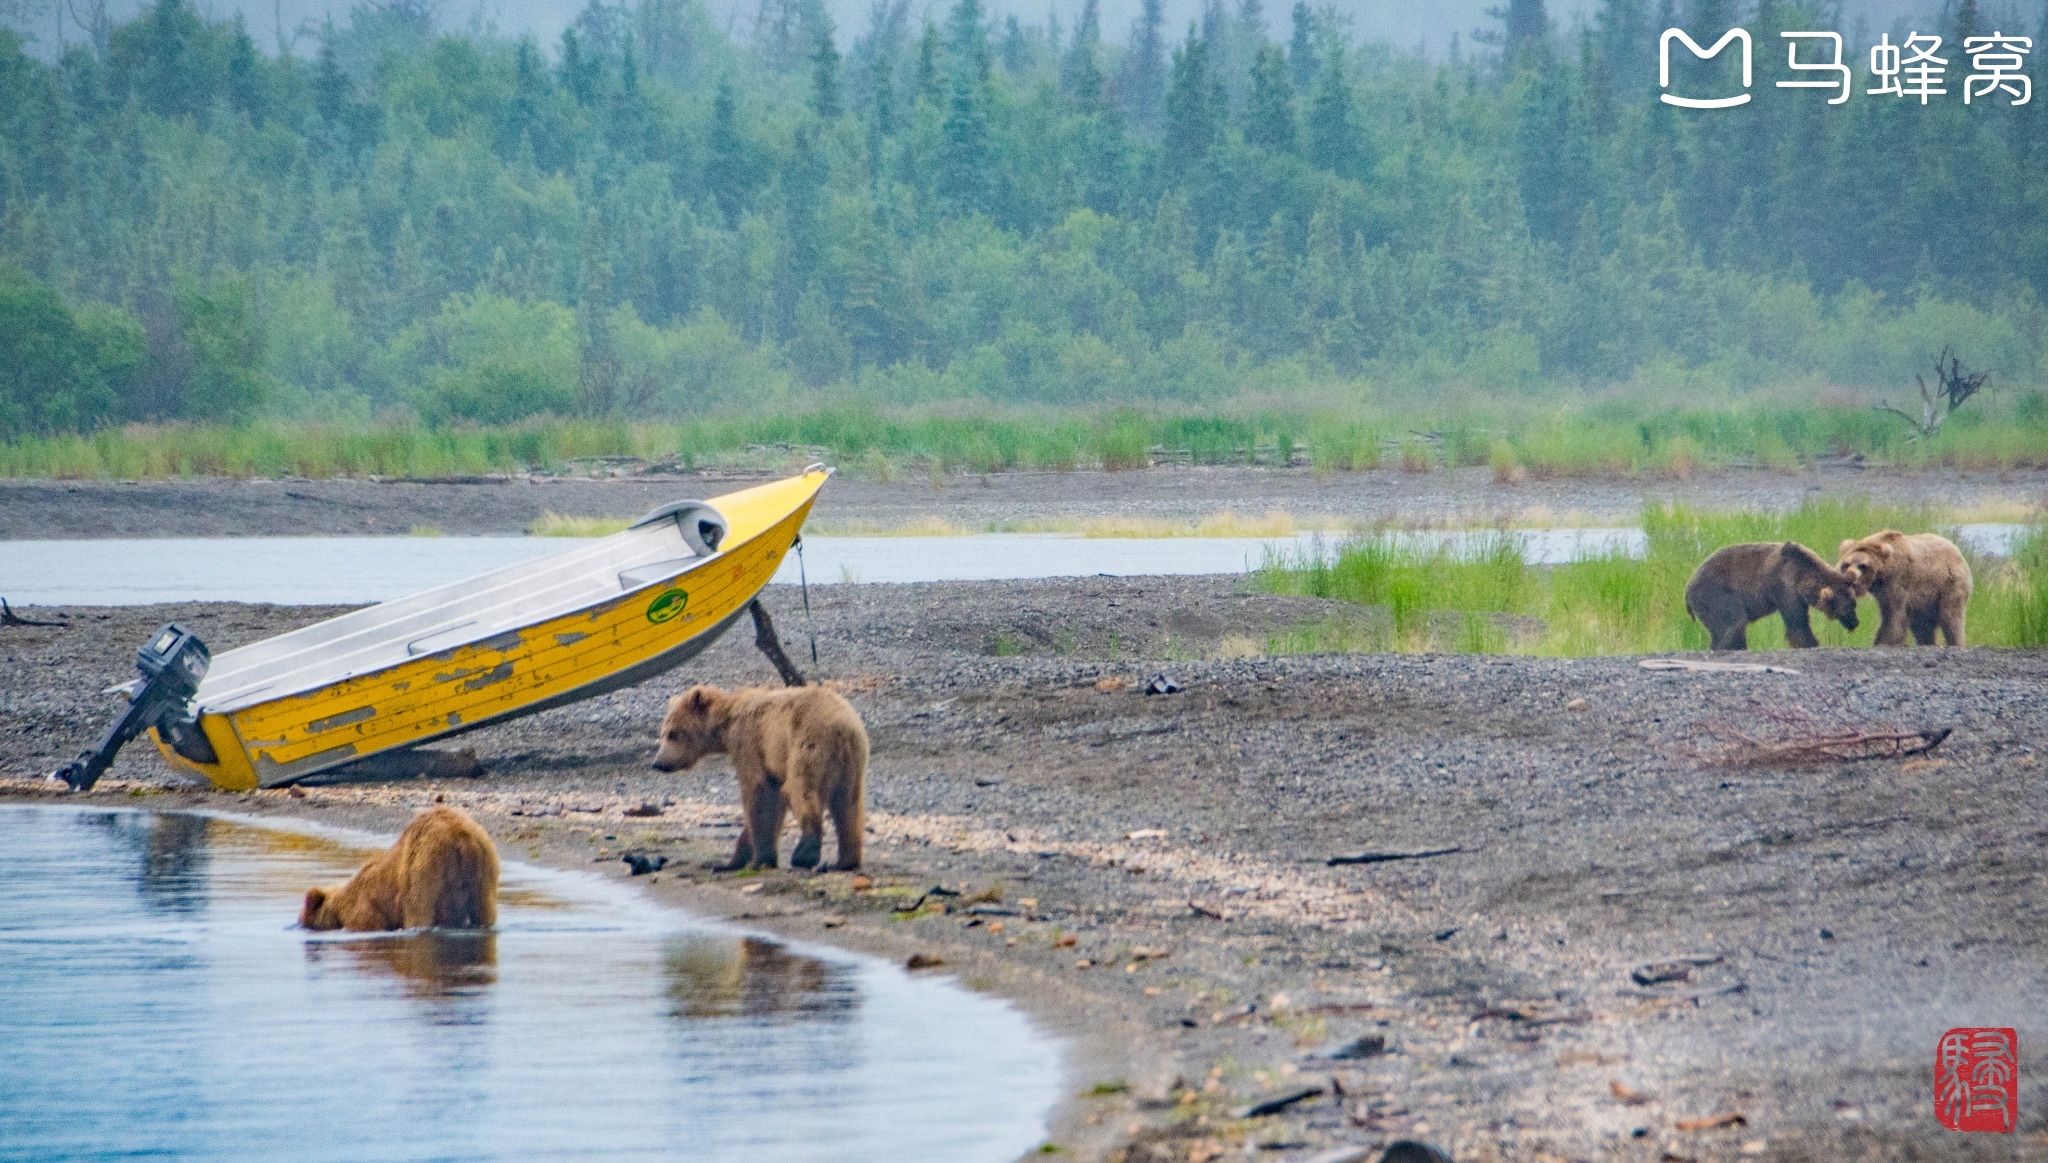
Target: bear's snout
[(665, 760)]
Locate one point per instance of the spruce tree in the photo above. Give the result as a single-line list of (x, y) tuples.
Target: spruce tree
[(964, 153), (1144, 68), (1080, 74), (825, 73), (598, 367), (1524, 26), (1190, 108), (1333, 139), (1301, 48), (967, 41), (1016, 49), (1251, 22), (929, 87), (725, 170), (881, 97), (1965, 28), (1269, 108)]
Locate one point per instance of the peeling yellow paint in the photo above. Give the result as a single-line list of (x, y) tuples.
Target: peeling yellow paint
[(496, 674), (342, 720)]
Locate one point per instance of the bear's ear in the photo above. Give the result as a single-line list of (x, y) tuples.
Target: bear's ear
[(1827, 593), (315, 898), (1846, 547), (699, 699)]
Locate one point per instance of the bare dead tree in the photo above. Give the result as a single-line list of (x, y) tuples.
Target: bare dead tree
[(1953, 386), (92, 19)]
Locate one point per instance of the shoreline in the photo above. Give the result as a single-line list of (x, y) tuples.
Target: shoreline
[(1079, 1026), (1181, 842), (63, 509)]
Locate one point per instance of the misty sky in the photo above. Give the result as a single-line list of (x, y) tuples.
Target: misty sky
[(1403, 23)]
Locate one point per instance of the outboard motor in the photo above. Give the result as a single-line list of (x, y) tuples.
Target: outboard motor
[(172, 662)]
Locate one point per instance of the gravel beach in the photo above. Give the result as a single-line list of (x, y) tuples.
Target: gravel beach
[(32, 509), (1638, 942)]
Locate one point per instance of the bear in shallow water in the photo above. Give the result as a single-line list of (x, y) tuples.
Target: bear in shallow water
[(443, 872), (1920, 581), (801, 750), (1739, 584)]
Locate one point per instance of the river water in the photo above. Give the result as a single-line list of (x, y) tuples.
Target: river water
[(342, 570), (157, 999)]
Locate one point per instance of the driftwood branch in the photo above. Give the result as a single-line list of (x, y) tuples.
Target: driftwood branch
[(1908, 417), (766, 641), (1793, 735), (9, 618), (1841, 747), (1383, 857), (1700, 664)]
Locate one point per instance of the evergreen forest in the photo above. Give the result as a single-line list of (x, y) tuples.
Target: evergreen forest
[(991, 231)]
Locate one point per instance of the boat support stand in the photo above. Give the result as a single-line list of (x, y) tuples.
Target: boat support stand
[(767, 643)]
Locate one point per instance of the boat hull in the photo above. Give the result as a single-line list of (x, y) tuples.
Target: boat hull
[(601, 647)]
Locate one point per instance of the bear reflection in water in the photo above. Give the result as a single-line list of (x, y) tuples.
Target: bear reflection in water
[(723, 977), (433, 962)]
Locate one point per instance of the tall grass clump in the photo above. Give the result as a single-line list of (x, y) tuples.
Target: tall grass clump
[(1485, 575), (2010, 604), (553, 524)]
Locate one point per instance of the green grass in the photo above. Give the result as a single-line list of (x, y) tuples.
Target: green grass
[(1447, 600), (2010, 605), (1518, 438), (553, 524)]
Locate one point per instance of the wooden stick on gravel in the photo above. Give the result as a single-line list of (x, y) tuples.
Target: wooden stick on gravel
[(1383, 857), (1846, 746), (9, 618)]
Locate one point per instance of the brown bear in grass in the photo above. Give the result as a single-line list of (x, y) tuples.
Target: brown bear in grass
[(801, 750), (442, 872), (1739, 584), (1920, 581)]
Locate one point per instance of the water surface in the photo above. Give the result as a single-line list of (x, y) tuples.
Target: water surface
[(343, 570), (156, 999)]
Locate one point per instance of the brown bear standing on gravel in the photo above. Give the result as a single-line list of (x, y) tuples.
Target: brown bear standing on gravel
[(801, 750), (1920, 581), (443, 872), (1739, 584)]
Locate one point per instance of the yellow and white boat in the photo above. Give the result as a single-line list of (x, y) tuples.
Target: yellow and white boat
[(519, 640)]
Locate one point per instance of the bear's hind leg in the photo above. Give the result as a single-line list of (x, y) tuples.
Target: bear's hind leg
[(1952, 614), (767, 813), (810, 819), (1923, 624), (1733, 637), (847, 823)]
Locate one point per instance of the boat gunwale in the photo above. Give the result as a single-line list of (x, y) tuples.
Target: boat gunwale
[(231, 702), (238, 700)]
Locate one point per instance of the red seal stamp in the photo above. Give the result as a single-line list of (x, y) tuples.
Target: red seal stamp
[(1977, 1079)]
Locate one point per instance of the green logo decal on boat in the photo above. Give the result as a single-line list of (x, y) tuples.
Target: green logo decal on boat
[(667, 605)]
